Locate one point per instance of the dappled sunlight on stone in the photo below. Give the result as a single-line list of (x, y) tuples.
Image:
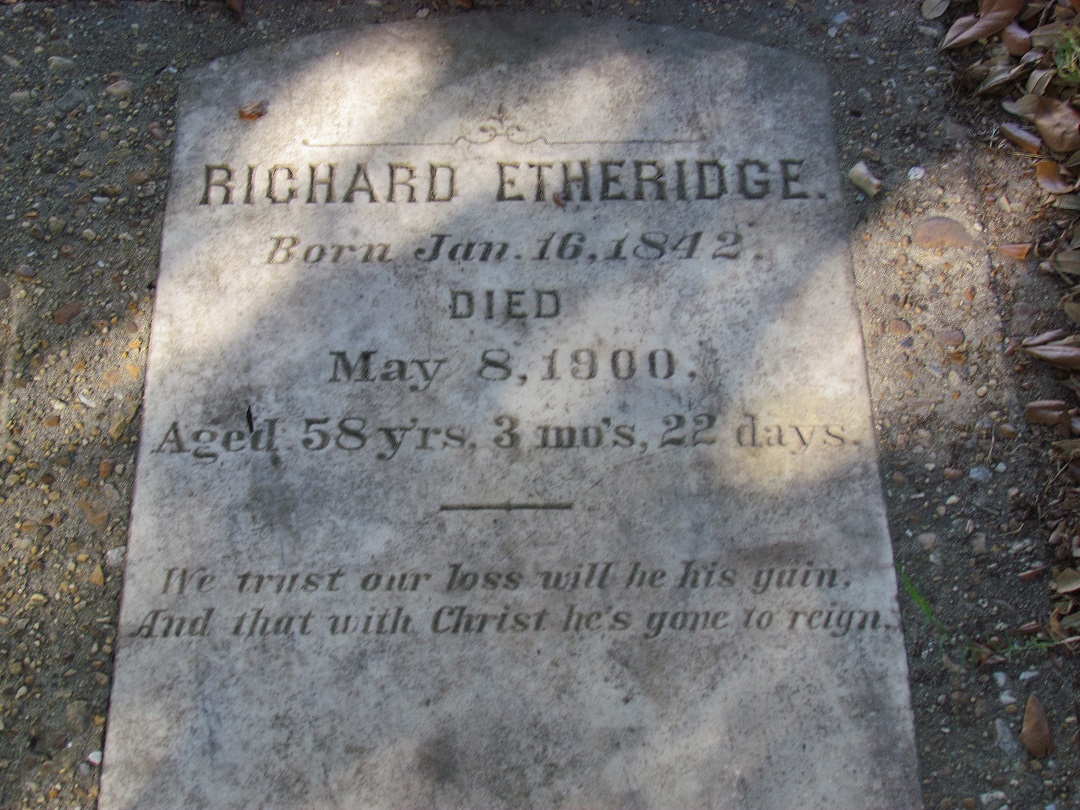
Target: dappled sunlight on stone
[(506, 438)]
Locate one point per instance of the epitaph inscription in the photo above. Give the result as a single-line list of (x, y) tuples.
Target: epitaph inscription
[(506, 439)]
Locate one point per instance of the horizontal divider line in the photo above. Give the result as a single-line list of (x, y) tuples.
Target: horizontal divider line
[(502, 507)]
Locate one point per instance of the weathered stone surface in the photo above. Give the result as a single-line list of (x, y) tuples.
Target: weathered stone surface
[(466, 482)]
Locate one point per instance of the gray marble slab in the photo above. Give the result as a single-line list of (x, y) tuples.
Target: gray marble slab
[(506, 438)]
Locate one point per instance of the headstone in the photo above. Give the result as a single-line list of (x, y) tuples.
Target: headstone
[(506, 437)]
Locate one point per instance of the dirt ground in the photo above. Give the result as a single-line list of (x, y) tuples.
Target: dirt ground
[(87, 92)]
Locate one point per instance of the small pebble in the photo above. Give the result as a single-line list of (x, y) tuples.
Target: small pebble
[(71, 99), (94, 758), (59, 64), (951, 337), (980, 474), (65, 313), (916, 173), (77, 715), (119, 89), (1005, 739)]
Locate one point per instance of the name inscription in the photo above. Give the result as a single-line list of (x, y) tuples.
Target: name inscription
[(564, 181)]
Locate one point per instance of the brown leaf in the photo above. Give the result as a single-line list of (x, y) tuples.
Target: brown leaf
[(1035, 734), (959, 29), (932, 9), (1072, 310), (1044, 337), (1066, 581), (1016, 251), (1049, 177), (1024, 107), (1047, 36), (1033, 573), (1067, 261), (1046, 411), (1059, 124), (999, 78), (936, 232), (1028, 141), (1057, 355), (252, 111), (1016, 38), (65, 313), (236, 5), (1039, 80), (994, 15)]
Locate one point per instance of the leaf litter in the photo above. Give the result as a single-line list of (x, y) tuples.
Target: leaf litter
[(1028, 53)]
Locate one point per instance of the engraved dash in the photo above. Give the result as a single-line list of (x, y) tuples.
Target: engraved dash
[(504, 507)]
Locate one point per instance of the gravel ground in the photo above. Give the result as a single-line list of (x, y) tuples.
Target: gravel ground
[(86, 124)]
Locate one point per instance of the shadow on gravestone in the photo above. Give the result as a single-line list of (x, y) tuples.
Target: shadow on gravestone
[(506, 438)]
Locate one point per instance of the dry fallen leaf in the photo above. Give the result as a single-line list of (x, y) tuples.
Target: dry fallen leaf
[(1066, 581), (1039, 81), (958, 32), (1016, 39), (936, 232), (249, 112), (1044, 337), (932, 9), (1067, 261), (1000, 77), (994, 15), (1024, 107), (1059, 124), (1016, 251), (1072, 310), (1035, 734), (1049, 177), (1028, 141), (236, 5), (1057, 355), (1046, 411), (1047, 36)]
